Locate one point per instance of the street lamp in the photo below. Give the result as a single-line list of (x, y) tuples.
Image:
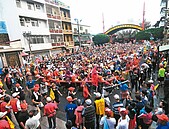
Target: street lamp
[(27, 35), (78, 30)]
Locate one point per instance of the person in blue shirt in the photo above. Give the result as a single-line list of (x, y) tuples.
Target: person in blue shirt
[(123, 88), (30, 86), (162, 122), (70, 109), (30, 83)]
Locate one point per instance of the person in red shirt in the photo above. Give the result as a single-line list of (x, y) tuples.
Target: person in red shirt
[(15, 104), (50, 111), (78, 113), (3, 122), (4, 107)]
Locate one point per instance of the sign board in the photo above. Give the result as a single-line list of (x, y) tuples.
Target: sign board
[(163, 48), (3, 29)]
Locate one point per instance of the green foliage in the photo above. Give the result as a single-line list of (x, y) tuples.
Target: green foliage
[(156, 33), (101, 39)]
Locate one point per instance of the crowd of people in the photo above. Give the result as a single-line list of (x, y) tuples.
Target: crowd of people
[(121, 85)]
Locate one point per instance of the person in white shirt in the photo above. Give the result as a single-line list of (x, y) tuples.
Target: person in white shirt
[(33, 121), (107, 121), (123, 122)]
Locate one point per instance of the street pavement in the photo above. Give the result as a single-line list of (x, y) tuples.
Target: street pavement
[(61, 115)]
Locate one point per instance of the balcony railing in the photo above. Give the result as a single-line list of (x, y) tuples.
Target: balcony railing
[(52, 2), (67, 19), (67, 31), (55, 30), (69, 43), (58, 17), (58, 44)]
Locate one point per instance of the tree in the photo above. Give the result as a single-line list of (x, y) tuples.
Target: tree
[(101, 39), (157, 24), (156, 33), (126, 36), (146, 24)]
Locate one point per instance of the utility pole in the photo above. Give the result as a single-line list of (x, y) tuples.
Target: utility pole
[(27, 36), (165, 22), (103, 22), (78, 30), (143, 22)]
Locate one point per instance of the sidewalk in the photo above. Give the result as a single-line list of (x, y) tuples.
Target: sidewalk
[(60, 124)]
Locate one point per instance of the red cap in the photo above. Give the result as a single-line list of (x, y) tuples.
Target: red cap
[(122, 79), (69, 99), (23, 106), (36, 88), (71, 88), (162, 117), (17, 84), (123, 111), (37, 85)]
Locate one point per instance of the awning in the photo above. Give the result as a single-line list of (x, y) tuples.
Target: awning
[(164, 48), (24, 54)]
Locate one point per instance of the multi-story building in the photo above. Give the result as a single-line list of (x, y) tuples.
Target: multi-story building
[(42, 26), (59, 24), (83, 33), (164, 20)]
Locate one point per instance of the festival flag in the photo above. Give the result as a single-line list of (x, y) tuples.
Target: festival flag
[(94, 76), (156, 86), (52, 94)]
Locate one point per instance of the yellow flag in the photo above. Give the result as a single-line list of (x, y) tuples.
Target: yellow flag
[(52, 95), (155, 87), (11, 124)]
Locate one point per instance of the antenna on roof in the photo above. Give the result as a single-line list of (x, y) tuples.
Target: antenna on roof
[(143, 22), (103, 22)]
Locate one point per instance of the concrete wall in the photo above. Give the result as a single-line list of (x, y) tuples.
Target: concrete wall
[(8, 13)]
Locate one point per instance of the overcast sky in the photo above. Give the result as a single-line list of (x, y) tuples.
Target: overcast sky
[(115, 12)]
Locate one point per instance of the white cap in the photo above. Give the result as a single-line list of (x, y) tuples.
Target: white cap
[(116, 96), (48, 99), (2, 95), (2, 114), (97, 94), (150, 81), (122, 109), (15, 94), (88, 101)]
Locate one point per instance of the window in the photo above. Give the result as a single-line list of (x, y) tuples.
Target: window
[(18, 3), (56, 25), (40, 40), (38, 6), (64, 14), (30, 6), (22, 22), (59, 39), (37, 39), (75, 30), (86, 31), (81, 28), (48, 10), (34, 22), (51, 25), (27, 20), (66, 27)]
